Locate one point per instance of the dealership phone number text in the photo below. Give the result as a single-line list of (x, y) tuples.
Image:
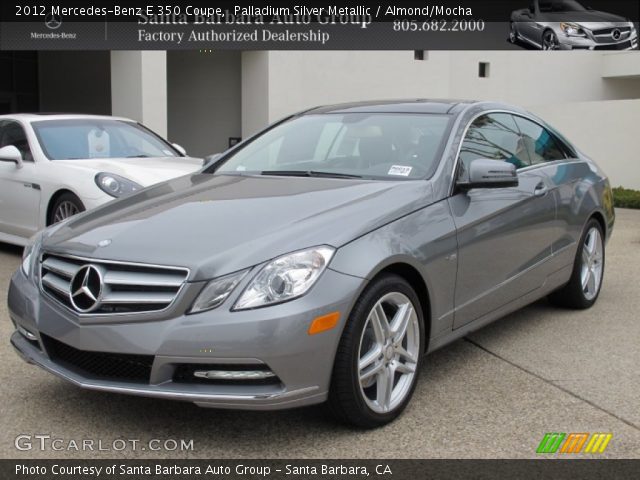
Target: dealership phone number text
[(439, 26)]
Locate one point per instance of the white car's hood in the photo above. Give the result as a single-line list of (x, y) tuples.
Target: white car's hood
[(143, 171)]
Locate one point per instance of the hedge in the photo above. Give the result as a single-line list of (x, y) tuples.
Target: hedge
[(626, 198)]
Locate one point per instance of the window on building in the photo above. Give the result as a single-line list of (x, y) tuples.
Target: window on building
[(483, 69)]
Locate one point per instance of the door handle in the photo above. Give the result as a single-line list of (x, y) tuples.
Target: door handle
[(540, 190)]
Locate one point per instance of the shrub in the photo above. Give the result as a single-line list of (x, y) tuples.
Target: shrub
[(626, 198)]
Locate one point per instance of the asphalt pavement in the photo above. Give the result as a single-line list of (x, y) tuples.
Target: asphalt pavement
[(492, 395)]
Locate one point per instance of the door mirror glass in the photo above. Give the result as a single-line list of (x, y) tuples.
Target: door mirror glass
[(486, 173), (11, 154), (180, 149)]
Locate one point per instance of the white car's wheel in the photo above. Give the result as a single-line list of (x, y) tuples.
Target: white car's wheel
[(65, 206)]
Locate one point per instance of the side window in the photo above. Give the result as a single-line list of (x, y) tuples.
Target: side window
[(540, 145), (12, 133), (494, 136)]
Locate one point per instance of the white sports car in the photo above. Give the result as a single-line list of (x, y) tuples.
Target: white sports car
[(54, 166)]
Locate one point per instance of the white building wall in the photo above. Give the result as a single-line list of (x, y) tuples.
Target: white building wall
[(299, 80), (139, 87)]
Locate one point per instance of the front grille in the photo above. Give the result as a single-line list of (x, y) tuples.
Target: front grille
[(614, 46), (100, 365), (608, 31), (112, 287)]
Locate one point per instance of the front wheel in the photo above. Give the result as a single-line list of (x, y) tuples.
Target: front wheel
[(588, 271), (550, 41), (379, 356), (65, 206)]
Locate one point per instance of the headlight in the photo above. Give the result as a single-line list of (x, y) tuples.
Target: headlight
[(285, 278), (216, 292), (572, 29), (29, 253), (115, 185)]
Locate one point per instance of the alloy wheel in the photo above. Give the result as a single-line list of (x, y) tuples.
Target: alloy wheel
[(592, 263), (65, 210), (550, 41), (389, 352)]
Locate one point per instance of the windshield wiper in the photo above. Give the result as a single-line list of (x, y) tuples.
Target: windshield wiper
[(308, 173), (138, 156)]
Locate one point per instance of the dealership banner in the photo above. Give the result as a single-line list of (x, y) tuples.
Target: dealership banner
[(334, 469), (444, 25)]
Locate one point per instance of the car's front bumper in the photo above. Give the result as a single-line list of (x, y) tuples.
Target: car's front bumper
[(275, 337), (583, 43)]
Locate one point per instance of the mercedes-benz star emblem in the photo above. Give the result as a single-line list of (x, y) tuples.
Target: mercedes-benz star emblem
[(616, 34), (86, 289), (52, 21)]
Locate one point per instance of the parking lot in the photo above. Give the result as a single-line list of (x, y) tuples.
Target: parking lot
[(494, 394)]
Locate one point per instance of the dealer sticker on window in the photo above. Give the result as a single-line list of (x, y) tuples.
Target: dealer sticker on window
[(400, 170)]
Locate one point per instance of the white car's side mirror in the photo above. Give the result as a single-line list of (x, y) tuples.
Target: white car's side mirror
[(180, 149), (11, 154)]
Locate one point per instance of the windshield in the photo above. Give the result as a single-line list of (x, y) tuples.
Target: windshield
[(561, 6), (368, 145), (80, 139)]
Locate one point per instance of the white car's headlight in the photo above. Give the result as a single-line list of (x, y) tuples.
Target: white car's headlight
[(572, 29), (216, 292), (115, 185), (285, 278), (29, 253)]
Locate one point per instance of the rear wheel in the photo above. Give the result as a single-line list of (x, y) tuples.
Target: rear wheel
[(65, 206), (379, 356), (588, 271)]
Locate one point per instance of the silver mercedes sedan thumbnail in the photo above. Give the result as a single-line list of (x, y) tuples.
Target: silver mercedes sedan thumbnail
[(318, 261), (568, 25)]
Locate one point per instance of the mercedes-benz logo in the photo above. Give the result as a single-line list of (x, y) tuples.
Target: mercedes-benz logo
[(616, 34), (86, 289), (52, 21)]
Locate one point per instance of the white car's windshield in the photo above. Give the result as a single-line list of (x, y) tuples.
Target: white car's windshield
[(79, 139), (388, 146)]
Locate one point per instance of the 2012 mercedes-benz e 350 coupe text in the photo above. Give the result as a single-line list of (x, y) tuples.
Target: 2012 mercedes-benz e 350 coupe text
[(319, 260)]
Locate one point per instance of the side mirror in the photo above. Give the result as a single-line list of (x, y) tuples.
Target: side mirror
[(180, 149), (485, 173), (11, 154)]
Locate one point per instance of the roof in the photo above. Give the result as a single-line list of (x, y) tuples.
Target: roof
[(419, 105), (34, 117)]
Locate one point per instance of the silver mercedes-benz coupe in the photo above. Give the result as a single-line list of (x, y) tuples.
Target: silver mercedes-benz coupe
[(568, 25), (319, 260)]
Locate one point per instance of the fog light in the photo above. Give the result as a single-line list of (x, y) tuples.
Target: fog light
[(26, 334), (239, 375)]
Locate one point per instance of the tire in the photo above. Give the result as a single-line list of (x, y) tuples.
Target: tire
[(65, 206), (583, 288), (513, 33), (550, 40), (366, 403)]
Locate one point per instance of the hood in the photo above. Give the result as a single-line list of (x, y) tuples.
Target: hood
[(143, 171), (218, 224), (591, 19)]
